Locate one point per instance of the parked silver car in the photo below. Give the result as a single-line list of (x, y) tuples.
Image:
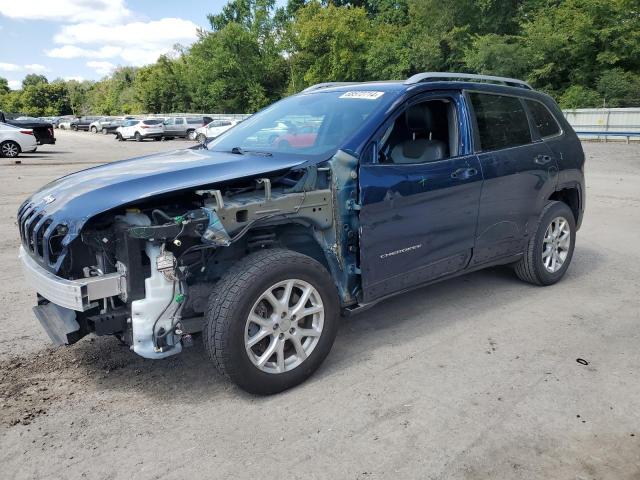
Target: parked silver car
[(184, 127)]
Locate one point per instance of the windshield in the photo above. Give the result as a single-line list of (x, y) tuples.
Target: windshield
[(313, 124)]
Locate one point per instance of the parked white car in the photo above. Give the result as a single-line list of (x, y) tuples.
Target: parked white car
[(65, 123), (141, 129), (14, 140), (214, 129)]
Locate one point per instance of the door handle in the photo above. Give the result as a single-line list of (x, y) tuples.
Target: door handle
[(542, 159), (464, 173)]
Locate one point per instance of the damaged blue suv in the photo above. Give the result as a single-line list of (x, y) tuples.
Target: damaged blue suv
[(323, 203)]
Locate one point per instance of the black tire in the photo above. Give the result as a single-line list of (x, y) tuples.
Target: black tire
[(138, 137), (531, 268), (94, 130), (201, 138), (74, 128), (157, 139), (104, 131), (9, 149), (234, 296), (191, 135), (119, 137)]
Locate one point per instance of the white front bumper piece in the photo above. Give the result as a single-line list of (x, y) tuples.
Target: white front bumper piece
[(78, 295)]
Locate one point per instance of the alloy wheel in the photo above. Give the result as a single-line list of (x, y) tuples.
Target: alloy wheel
[(556, 244), (284, 326), (10, 149)]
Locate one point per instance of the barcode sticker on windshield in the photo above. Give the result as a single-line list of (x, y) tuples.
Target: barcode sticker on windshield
[(367, 95)]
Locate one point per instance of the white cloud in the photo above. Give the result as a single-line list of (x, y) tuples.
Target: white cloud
[(96, 11), (137, 43), (71, 51), (10, 67), (32, 67), (165, 31), (77, 78), (14, 84), (102, 68), (36, 67)]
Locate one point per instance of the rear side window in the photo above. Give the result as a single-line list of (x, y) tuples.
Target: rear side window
[(194, 121), (544, 120), (502, 121), (152, 122)]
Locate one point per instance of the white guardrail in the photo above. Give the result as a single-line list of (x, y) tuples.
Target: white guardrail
[(605, 123)]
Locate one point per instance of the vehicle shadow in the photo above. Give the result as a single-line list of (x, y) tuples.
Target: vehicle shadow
[(416, 314)]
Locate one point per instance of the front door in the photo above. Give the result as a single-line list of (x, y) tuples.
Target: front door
[(418, 218)]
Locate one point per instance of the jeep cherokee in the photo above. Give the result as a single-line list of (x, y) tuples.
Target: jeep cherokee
[(260, 245)]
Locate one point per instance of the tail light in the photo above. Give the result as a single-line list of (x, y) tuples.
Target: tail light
[(27, 132), (144, 126)]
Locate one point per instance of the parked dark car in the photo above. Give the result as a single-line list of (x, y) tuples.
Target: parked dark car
[(260, 246), (43, 131), (83, 123)]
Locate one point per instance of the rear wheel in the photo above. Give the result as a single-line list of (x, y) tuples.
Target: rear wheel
[(549, 252), (271, 320), (94, 130), (9, 149), (201, 138), (138, 137), (191, 134), (104, 131)]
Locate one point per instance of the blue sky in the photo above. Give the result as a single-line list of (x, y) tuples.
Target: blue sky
[(86, 39)]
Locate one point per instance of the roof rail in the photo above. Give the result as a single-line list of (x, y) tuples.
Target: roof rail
[(318, 86), (434, 76)]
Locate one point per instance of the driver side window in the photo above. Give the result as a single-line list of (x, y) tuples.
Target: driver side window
[(424, 132)]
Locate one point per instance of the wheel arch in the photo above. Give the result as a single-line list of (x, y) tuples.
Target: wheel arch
[(571, 195)]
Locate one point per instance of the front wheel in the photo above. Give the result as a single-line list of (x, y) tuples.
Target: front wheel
[(271, 320), (549, 252), (94, 130), (138, 137), (9, 149)]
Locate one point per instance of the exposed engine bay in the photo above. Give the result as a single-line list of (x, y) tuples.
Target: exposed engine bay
[(171, 251)]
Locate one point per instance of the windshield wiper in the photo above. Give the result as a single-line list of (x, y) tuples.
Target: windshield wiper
[(242, 151)]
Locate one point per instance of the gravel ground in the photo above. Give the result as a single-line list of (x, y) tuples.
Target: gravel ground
[(473, 378)]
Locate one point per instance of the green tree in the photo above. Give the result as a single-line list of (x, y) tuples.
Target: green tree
[(497, 55), (33, 79), (577, 96), (619, 88), (4, 86), (331, 43)]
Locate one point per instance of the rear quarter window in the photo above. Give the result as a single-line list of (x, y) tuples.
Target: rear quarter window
[(502, 121), (543, 119), (152, 122)]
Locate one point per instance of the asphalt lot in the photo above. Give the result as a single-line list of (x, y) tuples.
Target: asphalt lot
[(473, 378)]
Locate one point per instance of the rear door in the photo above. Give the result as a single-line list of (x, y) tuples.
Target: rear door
[(418, 221), (519, 175)]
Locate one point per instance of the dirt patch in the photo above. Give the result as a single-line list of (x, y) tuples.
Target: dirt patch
[(31, 385)]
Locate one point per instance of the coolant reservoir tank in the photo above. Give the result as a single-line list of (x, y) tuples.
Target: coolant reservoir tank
[(135, 217)]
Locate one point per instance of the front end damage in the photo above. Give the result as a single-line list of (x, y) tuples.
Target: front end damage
[(144, 271)]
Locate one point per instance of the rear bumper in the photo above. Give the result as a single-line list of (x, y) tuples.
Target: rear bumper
[(78, 295)]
